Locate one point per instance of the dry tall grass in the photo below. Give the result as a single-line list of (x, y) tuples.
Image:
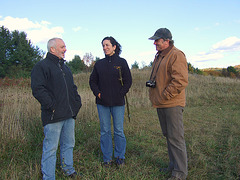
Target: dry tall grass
[(19, 109), (211, 121)]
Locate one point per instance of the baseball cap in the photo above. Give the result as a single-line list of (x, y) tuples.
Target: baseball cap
[(163, 33)]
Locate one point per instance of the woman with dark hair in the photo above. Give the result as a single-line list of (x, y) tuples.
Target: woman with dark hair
[(110, 80)]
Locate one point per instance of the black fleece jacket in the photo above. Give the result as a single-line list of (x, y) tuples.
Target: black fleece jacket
[(52, 85), (105, 79)]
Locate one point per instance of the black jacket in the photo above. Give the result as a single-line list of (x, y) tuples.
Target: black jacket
[(52, 85), (105, 77)]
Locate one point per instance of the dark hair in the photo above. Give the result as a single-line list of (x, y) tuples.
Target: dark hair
[(118, 49), (171, 42)]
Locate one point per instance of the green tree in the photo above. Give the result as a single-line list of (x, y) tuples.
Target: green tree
[(224, 72), (97, 58), (135, 65), (5, 44), (76, 65), (231, 69), (191, 69), (232, 72), (17, 54), (150, 64)]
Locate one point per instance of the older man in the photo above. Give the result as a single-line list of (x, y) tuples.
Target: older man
[(167, 83), (52, 85)]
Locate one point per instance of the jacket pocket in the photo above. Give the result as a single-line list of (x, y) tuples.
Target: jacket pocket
[(47, 115), (157, 98), (76, 107)]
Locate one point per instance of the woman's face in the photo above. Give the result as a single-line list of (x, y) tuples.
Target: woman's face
[(108, 48)]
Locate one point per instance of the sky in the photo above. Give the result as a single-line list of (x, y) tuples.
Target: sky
[(207, 31)]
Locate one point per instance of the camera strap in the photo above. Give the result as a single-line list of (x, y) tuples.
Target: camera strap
[(156, 57)]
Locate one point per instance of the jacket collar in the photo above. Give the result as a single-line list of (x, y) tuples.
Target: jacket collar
[(55, 59), (111, 58), (165, 51)]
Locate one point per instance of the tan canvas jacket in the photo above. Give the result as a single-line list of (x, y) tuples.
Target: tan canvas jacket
[(171, 79)]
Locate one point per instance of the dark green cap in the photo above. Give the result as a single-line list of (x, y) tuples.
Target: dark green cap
[(162, 33)]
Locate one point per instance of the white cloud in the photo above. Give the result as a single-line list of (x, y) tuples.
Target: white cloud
[(201, 57), (230, 44), (21, 24), (45, 23), (43, 34), (71, 53), (36, 32), (218, 50)]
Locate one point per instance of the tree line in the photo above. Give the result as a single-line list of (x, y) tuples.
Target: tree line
[(230, 71), (18, 56)]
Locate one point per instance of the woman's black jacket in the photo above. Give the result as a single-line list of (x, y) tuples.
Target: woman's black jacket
[(105, 79), (52, 85)]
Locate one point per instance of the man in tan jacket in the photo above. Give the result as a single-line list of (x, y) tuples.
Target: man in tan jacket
[(167, 84)]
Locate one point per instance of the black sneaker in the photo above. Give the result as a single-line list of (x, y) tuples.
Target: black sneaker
[(174, 178), (107, 164), (120, 162), (165, 170), (73, 175)]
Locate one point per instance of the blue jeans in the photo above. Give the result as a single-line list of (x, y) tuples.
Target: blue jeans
[(62, 131), (104, 114)]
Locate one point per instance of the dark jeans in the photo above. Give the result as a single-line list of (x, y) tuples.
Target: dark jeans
[(171, 121)]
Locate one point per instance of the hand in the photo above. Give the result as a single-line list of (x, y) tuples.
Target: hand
[(99, 95)]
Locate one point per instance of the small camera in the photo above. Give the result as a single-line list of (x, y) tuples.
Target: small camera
[(151, 84)]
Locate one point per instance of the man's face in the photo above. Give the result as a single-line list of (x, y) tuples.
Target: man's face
[(60, 49), (161, 44)]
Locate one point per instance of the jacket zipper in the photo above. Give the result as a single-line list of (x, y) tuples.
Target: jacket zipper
[(66, 87), (110, 65)]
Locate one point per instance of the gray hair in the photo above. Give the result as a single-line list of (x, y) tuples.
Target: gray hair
[(52, 43)]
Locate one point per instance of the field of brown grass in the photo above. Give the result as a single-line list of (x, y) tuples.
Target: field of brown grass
[(211, 121)]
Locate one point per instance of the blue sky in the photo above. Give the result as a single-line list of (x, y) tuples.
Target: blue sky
[(207, 31)]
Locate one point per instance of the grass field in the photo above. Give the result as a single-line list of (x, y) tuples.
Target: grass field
[(211, 122)]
